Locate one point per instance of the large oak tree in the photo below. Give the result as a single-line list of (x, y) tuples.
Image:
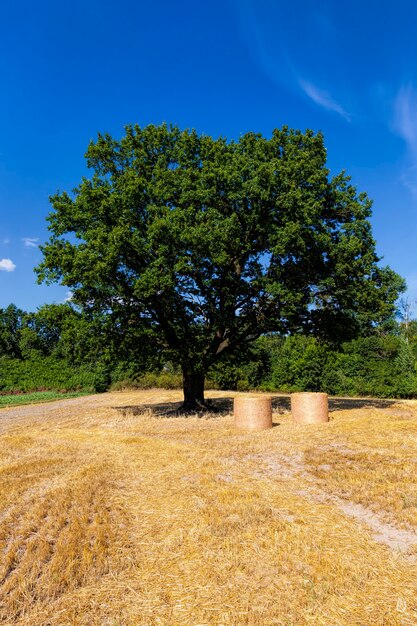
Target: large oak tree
[(200, 245)]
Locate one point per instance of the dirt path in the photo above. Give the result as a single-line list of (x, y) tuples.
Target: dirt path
[(10, 416)]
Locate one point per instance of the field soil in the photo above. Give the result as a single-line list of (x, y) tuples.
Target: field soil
[(115, 510)]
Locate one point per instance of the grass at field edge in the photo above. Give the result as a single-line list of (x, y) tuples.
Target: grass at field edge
[(37, 397)]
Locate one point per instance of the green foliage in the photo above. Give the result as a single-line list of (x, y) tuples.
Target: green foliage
[(405, 370), (46, 373), (101, 379), (245, 371), (12, 321), (66, 332), (150, 380), (382, 366), (191, 247)]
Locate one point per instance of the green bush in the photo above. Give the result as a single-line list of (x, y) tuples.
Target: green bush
[(150, 380), (381, 366), (46, 374)]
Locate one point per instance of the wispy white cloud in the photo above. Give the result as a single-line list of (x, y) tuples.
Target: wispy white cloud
[(269, 53), (6, 241), (409, 179), (404, 124), (6, 265), (264, 31), (323, 99), (405, 116), (69, 296), (30, 242)]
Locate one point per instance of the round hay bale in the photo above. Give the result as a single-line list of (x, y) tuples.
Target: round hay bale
[(310, 408), (253, 412)]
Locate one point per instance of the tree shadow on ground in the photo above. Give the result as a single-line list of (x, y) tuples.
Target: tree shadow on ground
[(282, 404), (343, 404), (218, 407)]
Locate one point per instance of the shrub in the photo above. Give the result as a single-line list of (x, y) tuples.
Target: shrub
[(46, 373), (150, 380)]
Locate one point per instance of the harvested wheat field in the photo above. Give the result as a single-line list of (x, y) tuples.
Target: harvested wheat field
[(110, 515)]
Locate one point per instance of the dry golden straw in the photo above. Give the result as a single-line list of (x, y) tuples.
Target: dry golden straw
[(111, 517)]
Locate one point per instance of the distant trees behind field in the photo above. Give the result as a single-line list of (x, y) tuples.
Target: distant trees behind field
[(382, 365), (60, 348), (56, 348)]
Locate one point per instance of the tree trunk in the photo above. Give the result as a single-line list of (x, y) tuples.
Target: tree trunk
[(193, 387)]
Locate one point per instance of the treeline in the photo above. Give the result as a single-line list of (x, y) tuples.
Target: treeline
[(382, 366), (59, 348)]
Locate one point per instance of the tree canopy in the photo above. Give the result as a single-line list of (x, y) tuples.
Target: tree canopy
[(198, 246)]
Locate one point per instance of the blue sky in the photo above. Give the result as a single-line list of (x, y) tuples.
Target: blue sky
[(224, 67)]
